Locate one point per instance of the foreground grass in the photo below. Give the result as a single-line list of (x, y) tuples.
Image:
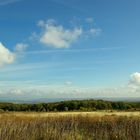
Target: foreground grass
[(69, 126)]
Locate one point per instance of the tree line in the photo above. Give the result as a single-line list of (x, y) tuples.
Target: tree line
[(74, 105)]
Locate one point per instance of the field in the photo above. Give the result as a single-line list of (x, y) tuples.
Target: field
[(70, 126)]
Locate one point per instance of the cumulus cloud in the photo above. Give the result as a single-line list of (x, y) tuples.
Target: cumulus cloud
[(6, 56), (135, 79), (20, 47), (57, 36)]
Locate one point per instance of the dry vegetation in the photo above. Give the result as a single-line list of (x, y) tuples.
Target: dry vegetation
[(69, 126)]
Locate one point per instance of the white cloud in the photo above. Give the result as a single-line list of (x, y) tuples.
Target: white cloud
[(6, 57), (20, 47), (135, 79), (57, 36)]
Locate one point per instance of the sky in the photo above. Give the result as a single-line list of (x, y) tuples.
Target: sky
[(69, 48)]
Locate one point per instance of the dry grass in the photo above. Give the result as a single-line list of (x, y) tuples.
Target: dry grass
[(54, 114), (70, 126)]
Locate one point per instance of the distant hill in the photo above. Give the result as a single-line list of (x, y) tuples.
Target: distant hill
[(50, 100)]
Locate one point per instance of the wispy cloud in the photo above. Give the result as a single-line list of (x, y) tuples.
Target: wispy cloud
[(89, 20), (5, 2), (21, 47), (72, 50), (94, 31)]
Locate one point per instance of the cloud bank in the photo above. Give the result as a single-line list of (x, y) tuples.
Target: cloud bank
[(69, 90)]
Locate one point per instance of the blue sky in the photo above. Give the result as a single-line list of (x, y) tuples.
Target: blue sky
[(69, 48)]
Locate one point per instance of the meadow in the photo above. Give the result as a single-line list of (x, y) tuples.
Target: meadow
[(99, 125)]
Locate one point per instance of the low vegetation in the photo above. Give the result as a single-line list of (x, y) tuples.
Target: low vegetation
[(76, 127)]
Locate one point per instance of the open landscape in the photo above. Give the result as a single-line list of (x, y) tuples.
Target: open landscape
[(69, 69), (70, 120)]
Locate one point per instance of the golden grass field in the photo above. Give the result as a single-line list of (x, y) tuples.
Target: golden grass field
[(102, 125), (54, 114)]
